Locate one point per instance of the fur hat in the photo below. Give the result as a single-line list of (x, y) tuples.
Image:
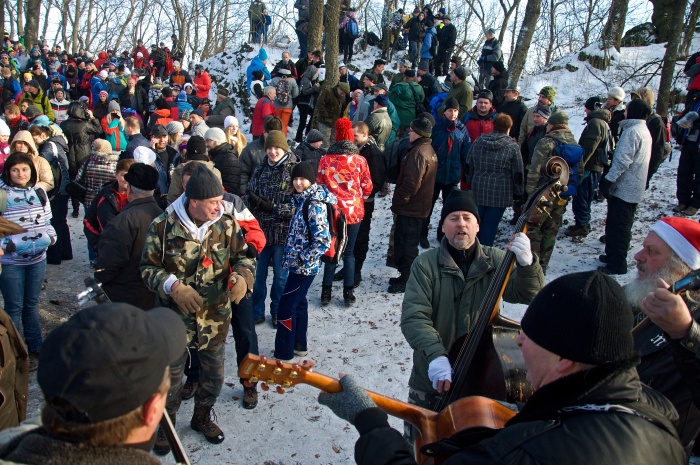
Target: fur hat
[(487, 94), (142, 176), (203, 184)]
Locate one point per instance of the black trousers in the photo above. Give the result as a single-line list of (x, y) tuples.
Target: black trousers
[(445, 189), (406, 238), (362, 241), (244, 335), (62, 249), (618, 233), (305, 112), (688, 177)]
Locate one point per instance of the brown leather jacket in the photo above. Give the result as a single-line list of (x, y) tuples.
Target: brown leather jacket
[(414, 188), (14, 374)]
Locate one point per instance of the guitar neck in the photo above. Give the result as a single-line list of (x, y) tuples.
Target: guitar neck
[(413, 414)]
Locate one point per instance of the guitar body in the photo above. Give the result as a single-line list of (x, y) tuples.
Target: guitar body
[(498, 369)]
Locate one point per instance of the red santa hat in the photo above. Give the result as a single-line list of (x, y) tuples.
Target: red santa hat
[(343, 130), (683, 236)]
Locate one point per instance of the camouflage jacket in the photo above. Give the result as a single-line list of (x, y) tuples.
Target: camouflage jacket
[(172, 249)]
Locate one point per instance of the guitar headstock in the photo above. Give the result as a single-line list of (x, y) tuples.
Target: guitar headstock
[(256, 368)]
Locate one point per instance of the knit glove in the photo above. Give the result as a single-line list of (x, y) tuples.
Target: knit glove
[(604, 187), (439, 370), (187, 298), (260, 203), (348, 403), (520, 246), (238, 288)]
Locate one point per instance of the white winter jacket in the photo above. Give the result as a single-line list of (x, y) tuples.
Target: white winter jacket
[(628, 171)]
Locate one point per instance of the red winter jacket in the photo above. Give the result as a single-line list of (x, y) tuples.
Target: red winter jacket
[(477, 124), (263, 108), (203, 82)]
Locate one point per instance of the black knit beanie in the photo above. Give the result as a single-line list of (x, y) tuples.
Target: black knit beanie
[(203, 184), (638, 109), (583, 317), (593, 103), (451, 103), (460, 201), (304, 170), (196, 146), (422, 127)]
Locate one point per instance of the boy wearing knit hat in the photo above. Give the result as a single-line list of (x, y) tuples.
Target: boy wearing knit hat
[(580, 361), (544, 97), (310, 150), (543, 237), (198, 281), (268, 198), (412, 199), (345, 174)]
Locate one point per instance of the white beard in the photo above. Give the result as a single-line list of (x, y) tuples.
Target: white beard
[(637, 289)]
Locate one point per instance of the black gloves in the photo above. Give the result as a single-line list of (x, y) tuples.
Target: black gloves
[(259, 203), (604, 187)]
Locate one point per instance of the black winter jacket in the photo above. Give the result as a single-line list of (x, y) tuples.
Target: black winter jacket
[(226, 161), (138, 101), (543, 434), (78, 129), (103, 208), (497, 86), (305, 152), (448, 37), (516, 110), (119, 254), (376, 165), (657, 129)]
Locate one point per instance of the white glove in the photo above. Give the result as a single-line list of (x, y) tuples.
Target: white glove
[(439, 370), (520, 246)]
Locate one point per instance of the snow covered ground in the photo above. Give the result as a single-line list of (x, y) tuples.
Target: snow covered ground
[(366, 340)]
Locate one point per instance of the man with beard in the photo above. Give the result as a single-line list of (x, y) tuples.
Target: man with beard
[(669, 346)]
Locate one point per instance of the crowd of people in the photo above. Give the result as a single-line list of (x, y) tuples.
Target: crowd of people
[(185, 209)]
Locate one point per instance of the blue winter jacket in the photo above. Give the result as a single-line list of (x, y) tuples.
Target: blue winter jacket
[(451, 144), (430, 35), (302, 256), (256, 64)]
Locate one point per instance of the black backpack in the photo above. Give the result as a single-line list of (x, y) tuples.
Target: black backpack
[(434, 45), (56, 171), (394, 154)]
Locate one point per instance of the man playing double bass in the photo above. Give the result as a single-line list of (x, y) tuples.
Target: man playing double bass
[(444, 293), (589, 405)]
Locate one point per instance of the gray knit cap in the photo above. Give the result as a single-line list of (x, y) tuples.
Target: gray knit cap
[(203, 184)]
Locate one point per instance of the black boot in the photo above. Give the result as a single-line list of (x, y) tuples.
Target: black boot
[(161, 446), (202, 423), (358, 274), (348, 296), (326, 295)]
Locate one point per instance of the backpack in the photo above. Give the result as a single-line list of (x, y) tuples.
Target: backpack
[(394, 154), (420, 108), (433, 45), (352, 28), (605, 150), (572, 154), (57, 174), (337, 226), (282, 89)]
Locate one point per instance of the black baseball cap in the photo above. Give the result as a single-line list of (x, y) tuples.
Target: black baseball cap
[(107, 360)]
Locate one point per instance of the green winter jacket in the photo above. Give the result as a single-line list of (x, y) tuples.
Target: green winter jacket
[(464, 95), (405, 96), (440, 306), (543, 151)]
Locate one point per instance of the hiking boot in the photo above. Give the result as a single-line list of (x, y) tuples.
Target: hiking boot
[(326, 292), (689, 211), (603, 258), (33, 361), (358, 280), (424, 243), (273, 321), (260, 321), (577, 231), (161, 446), (602, 238), (394, 280), (390, 261), (76, 213), (250, 398), (338, 276), (348, 296), (188, 389), (385, 190), (679, 208), (397, 288), (202, 423)]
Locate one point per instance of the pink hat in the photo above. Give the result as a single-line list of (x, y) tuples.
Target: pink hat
[(683, 236)]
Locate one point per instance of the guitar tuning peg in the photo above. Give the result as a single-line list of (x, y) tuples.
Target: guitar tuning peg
[(247, 383), (280, 390), (277, 371), (264, 386), (279, 364), (253, 379)]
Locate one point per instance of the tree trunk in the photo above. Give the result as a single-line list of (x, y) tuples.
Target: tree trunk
[(31, 28), (315, 30), (532, 13), (507, 13), (670, 57), (332, 45), (662, 18), (2, 18), (20, 25), (552, 26), (74, 33), (386, 32), (614, 27), (689, 28)]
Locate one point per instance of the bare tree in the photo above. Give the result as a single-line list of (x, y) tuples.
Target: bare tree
[(662, 18), (517, 62), (670, 57), (689, 28), (31, 29), (507, 13), (332, 44), (612, 32), (315, 30)]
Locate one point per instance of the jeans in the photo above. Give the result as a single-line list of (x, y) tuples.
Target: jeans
[(62, 249), (489, 218), (581, 203), (618, 233), (362, 242), (274, 253), (303, 43), (20, 287), (348, 260), (293, 316), (413, 49), (406, 238)]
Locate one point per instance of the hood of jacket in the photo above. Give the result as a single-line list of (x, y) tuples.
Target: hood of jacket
[(494, 141), (599, 113), (60, 140), (342, 147), (26, 137), (318, 192), (311, 72)]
